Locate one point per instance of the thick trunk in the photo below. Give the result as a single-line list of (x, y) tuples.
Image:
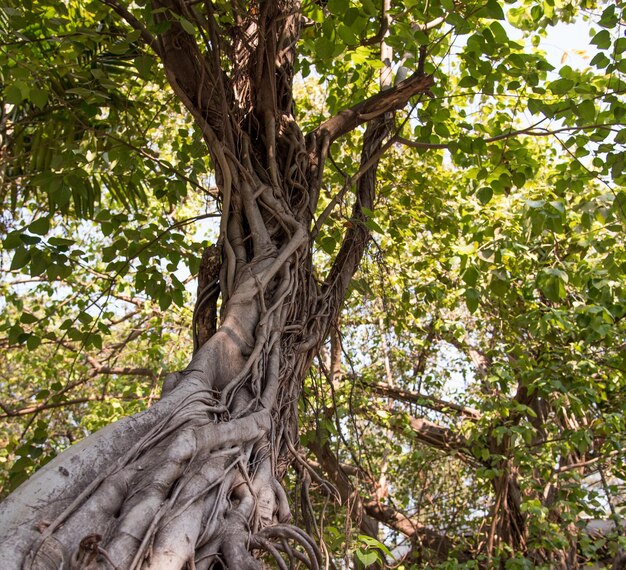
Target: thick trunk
[(195, 480), (193, 477)]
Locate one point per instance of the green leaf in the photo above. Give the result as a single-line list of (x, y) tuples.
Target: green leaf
[(20, 258), (96, 341), (13, 240), (499, 33), (328, 244), (485, 194), (471, 275), (61, 242), (600, 60), (366, 558), (13, 95), (40, 226), (373, 543), (519, 179), (29, 240), (561, 86), (499, 287), (587, 110), (144, 65), (85, 318), (492, 10), (324, 48), (619, 205), (347, 35), (468, 81), (165, 300), (28, 319), (373, 226), (187, 26), (338, 7), (369, 7), (33, 342), (552, 284), (39, 262), (472, 298), (39, 97), (602, 39)]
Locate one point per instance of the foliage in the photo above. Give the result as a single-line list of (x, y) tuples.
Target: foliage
[(474, 382)]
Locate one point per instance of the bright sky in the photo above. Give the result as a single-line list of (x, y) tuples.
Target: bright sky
[(569, 41)]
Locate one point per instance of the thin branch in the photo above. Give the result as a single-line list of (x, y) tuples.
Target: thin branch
[(423, 400), (12, 413), (351, 181), (135, 24), (155, 159), (382, 30), (588, 462), (532, 131)]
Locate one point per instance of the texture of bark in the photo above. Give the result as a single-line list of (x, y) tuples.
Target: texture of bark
[(205, 316), (195, 481)]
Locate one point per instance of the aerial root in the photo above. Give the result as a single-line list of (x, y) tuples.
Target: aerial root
[(263, 540)]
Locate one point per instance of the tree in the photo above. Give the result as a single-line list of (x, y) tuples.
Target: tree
[(195, 480)]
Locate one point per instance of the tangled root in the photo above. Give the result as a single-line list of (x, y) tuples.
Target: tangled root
[(278, 540)]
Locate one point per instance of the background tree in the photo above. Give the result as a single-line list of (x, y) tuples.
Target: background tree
[(482, 329)]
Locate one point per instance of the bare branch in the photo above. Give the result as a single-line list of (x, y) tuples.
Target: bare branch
[(423, 400), (362, 512), (437, 436)]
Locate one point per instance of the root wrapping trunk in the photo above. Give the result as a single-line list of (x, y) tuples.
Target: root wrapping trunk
[(195, 481)]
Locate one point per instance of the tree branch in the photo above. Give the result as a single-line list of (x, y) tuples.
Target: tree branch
[(134, 23), (358, 234), (423, 400), (437, 436), (430, 434), (373, 107), (348, 494), (384, 514), (192, 75), (531, 131), (12, 412), (439, 544)]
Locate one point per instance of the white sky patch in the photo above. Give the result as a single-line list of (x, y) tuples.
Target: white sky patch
[(569, 44)]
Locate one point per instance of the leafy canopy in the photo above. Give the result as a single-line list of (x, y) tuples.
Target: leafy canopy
[(494, 281)]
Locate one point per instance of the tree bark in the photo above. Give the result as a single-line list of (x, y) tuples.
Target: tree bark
[(195, 480)]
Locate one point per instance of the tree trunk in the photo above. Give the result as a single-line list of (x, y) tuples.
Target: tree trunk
[(195, 480)]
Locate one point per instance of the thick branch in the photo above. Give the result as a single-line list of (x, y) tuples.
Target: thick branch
[(438, 543), (423, 400), (357, 236), (384, 514), (430, 434), (192, 75), (434, 435), (374, 107)]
